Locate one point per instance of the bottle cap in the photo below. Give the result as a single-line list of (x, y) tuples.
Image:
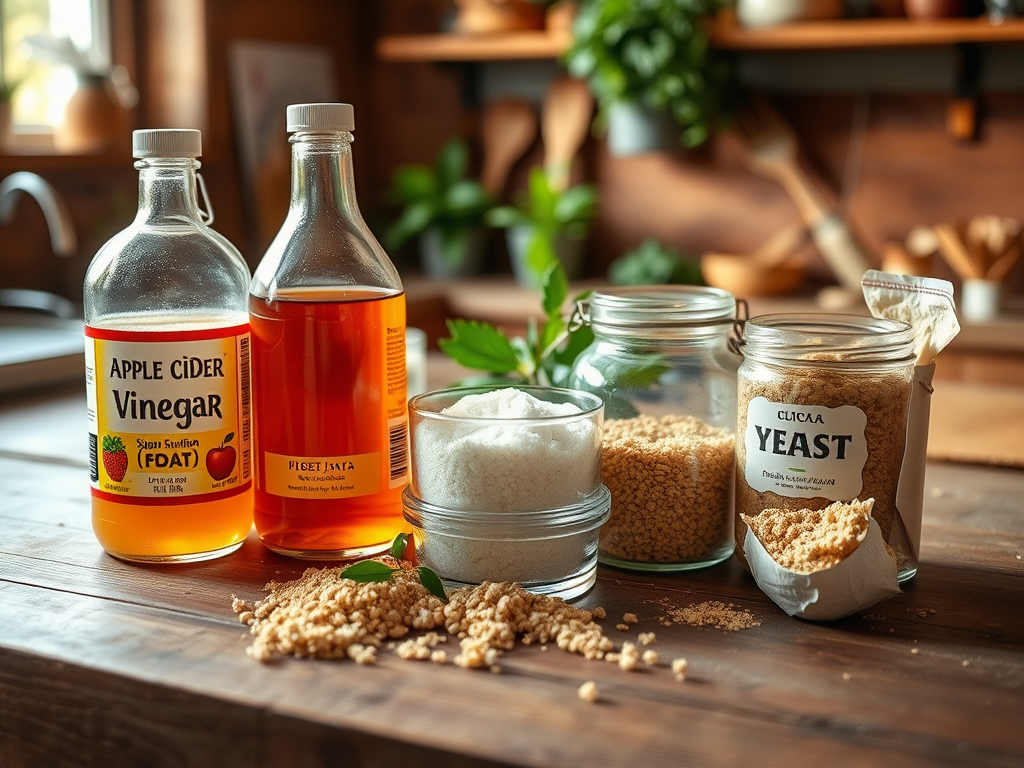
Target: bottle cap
[(321, 117), (167, 142)]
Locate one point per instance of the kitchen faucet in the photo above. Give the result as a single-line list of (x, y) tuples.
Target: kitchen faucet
[(62, 233), (62, 237)]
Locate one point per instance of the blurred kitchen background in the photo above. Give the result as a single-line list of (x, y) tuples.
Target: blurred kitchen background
[(882, 133)]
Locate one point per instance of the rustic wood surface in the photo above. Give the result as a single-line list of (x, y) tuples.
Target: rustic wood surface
[(106, 663)]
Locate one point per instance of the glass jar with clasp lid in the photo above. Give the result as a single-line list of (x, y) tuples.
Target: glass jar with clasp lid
[(663, 363)]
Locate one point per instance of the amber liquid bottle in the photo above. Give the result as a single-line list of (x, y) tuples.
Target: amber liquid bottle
[(327, 313)]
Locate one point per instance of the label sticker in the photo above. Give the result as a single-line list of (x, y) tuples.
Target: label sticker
[(805, 451), (322, 477), (168, 414)]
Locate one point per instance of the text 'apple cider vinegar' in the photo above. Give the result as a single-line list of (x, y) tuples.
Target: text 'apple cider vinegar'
[(167, 371), (327, 312)]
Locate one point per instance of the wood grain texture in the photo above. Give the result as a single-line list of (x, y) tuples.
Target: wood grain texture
[(108, 663)]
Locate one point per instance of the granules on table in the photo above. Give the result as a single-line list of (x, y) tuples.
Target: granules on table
[(805, 541), (324, 616), (711, 613), (881, 396), (671, 484)]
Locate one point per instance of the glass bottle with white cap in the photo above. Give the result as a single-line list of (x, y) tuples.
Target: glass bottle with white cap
[(327, 312), (167, 370)]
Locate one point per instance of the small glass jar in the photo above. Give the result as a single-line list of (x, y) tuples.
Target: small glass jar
[(661, 362), (506, 486), (823, 403)]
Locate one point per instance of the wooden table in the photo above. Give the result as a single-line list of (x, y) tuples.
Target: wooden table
[(108, 664)]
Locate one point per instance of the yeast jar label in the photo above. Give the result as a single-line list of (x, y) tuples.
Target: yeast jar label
[(805, 451)]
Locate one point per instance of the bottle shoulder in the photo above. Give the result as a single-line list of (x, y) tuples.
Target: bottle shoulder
[(324, 251), (143, 269)]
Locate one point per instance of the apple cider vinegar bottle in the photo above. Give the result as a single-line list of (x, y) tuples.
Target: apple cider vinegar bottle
[(167, 371), (327, 312)]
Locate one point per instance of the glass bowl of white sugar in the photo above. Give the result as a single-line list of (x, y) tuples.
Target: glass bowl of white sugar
[(506, 486)]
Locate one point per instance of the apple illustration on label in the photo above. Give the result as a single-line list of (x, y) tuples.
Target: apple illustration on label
[(221, 460)]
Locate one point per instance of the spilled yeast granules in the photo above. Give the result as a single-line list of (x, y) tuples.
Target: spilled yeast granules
[(711, 613), (321, 615)]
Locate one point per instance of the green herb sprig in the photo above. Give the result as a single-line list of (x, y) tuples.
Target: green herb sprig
[(544, 357), (374, 571)]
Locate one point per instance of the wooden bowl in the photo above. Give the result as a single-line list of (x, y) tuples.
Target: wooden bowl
[(744, 276)]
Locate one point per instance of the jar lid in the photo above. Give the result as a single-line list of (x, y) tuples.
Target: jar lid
[(626, 309), (320, 117), (826, 339), (167, 142)]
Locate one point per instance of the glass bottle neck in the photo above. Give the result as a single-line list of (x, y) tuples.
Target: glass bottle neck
[(322, 172), (167, 189)]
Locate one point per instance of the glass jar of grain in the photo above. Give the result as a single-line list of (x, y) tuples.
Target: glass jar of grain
[(661, 362), (823, 403)]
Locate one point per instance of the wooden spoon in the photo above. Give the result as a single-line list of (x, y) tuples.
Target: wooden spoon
[(566, 120), (509, 126)]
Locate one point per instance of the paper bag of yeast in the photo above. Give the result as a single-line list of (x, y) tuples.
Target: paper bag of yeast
[(926, 305), (821, 564)]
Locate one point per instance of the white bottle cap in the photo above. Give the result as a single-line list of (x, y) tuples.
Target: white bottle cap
[(321, 117), (167, 142)]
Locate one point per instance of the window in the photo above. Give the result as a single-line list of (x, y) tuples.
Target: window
[(42, 44)]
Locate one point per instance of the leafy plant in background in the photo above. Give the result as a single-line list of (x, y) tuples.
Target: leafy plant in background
[(652, 263), (654, 52), (549, 213), (545, 356), (438, 197)]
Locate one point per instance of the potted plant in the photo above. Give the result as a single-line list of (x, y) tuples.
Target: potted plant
[(444, 210), (651, 70), (546, 225), (653, 263)]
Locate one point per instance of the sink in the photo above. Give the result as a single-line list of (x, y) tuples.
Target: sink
[(39, 350)]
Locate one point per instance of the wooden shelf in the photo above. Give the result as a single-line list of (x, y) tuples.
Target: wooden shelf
[(865, 33), (512, 46), (726, 35)]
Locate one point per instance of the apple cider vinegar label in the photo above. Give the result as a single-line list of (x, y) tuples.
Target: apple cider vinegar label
[(168, 414)]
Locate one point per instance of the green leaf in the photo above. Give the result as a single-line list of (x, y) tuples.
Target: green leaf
[(466, 197), (542, 197), (642, 374), (398, 545), (577, 341), (577, 204), (431, 582), (412, 183), (413, 220), (506, 216), (480, 346), (230, 436), (551, 332), (555, 288), (451, 163), (540, 253), (368, 571)]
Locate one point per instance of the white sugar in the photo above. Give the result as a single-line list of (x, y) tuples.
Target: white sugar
[(511, 453)]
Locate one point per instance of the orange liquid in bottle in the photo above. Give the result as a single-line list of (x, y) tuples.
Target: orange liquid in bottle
[(180, 532), (323, 387)]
